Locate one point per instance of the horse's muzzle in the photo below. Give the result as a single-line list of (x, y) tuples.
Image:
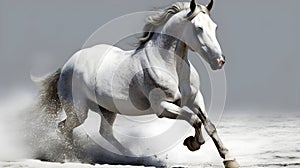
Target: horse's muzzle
[(221, 62), (218, 63)]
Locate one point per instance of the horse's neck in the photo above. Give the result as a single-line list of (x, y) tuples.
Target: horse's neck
[(169, 53), (168, 48)]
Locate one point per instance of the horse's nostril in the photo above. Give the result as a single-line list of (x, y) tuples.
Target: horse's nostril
[(221, 61)]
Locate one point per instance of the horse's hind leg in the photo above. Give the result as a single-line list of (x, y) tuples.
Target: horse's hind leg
[(106, 130), (76, 115)]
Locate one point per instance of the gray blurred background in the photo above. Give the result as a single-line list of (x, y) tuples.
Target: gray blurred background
[(260, 39)]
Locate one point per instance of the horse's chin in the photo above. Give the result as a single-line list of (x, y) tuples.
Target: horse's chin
[(215, 68)]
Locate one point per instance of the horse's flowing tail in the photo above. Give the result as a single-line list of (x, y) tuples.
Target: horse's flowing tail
[(48, 95)]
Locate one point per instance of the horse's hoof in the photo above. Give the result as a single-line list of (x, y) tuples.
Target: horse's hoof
[(231, 163), (191, 143)]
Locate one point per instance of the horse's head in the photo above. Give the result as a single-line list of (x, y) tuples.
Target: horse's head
[(200, 36)]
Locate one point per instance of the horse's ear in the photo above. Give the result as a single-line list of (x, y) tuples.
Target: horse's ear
[(193, 6), (210, 5)]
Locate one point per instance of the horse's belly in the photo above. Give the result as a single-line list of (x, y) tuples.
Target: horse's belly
[(124, 106), (128, 108), (123, 97)]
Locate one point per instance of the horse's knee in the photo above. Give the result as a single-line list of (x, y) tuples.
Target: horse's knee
[(195, 121), (166, 114)]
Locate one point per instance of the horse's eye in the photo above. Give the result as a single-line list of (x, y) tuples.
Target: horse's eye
[(199, 29)]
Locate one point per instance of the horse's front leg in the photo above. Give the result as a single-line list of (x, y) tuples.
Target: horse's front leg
[(211, 130), (173, 111)]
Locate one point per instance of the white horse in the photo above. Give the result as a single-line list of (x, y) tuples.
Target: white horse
[(156, 78)]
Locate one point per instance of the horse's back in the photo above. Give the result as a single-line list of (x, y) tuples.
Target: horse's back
[(78, 75)]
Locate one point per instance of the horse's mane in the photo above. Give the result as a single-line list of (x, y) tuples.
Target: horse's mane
[(157, 20)]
